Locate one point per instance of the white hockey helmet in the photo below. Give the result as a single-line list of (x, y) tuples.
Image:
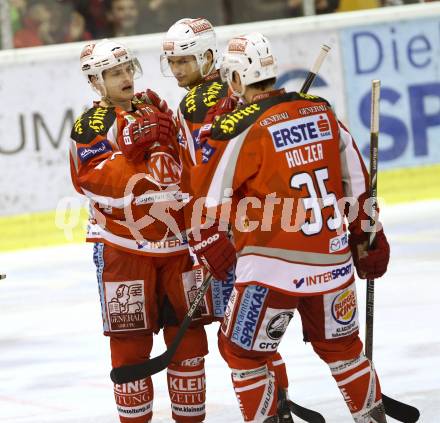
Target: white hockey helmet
[(189, 37), (251, 57), (106, 54)]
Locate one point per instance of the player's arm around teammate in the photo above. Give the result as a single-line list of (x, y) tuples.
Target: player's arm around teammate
[(285, 167), (124, 158)]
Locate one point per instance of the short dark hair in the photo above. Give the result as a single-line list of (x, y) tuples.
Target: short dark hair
[(263, 85)]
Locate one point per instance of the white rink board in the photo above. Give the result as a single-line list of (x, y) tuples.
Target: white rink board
[(42, 91)]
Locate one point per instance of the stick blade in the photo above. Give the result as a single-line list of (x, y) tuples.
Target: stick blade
[(400, 411), (132, 372), (305, 414)]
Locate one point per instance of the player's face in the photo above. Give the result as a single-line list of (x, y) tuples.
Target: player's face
[(185, 70), (118, 81)]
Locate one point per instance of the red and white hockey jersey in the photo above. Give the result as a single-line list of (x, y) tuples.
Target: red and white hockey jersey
[(134, 207), (283, 165)]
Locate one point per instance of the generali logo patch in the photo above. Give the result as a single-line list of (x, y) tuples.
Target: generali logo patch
[(126, 305)]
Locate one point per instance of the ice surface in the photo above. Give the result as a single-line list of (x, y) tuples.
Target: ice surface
[(54, 362)]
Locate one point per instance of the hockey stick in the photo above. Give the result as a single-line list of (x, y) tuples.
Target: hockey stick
[(155, 365), (315, 68), (286, 405), (374, 140), (393, 408)]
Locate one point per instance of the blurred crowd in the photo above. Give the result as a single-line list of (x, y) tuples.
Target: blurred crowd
[(42, 22)]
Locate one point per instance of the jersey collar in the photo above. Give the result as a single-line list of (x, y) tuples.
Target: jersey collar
[(268, 94)]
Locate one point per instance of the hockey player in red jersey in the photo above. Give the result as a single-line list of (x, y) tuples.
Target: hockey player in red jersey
[(189, 54), (287, 168), (124, 159)]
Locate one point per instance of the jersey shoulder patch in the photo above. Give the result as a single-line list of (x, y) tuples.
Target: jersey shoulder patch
[(93, 122), (232, 124), (201, 98)]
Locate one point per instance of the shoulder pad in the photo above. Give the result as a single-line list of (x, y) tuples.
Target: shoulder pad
[(201, 98), (93, 122)]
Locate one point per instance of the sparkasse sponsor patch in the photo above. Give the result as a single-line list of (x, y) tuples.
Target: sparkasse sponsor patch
[(248, 316), (298, 132)]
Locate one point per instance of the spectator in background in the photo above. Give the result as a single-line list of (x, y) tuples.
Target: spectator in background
[(123, 17), (76, 29), (37, 27), (17, 10), (255, 10), (93, 12), (155, 16), (68, 25), (295, 7), (50, 22)]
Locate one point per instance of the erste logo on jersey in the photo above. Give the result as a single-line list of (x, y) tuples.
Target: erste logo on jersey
[(298, 132), (164, 168)]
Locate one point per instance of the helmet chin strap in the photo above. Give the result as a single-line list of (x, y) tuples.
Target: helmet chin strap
[(239, 94), (204, 61), (99, 87)]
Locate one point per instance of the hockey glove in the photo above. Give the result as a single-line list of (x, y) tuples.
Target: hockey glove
[(215, 251), (224, 105), (141, 132), (151, 97), (372, 263)]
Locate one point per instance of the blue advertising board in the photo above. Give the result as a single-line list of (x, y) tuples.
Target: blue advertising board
[(405, 56)]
